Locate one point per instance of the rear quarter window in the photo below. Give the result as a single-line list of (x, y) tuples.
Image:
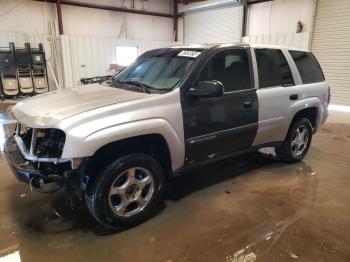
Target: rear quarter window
[(273, 68), (309, 69)]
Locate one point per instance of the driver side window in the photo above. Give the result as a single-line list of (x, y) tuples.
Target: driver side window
[(231, 68)]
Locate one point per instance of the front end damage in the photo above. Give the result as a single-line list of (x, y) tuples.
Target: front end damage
[(34, 155)]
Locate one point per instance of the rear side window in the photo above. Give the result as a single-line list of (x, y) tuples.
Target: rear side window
[(309, 69), (273, 68)]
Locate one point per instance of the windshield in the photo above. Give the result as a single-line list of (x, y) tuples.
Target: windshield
[(159, 70)]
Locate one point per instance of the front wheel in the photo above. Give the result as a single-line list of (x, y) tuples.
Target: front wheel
[(297, 142), (126, 192)]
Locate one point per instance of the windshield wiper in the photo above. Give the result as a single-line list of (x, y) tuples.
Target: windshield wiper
[(143, 87)]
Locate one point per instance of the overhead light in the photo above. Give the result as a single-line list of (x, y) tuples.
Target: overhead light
[(209, 6)]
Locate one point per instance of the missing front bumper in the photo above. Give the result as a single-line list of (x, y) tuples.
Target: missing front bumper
[(26, 172), (23, 169)]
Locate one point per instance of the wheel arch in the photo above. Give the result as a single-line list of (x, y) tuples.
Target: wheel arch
[(308, 107), (153, 144), (311, 113)]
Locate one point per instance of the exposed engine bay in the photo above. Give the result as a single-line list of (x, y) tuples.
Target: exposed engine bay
[(49, 142)]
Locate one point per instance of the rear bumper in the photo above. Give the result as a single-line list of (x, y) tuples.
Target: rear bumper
[(22, 169)]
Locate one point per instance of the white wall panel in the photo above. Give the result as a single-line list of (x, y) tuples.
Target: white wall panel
[(31, 16), (300, 40), (222, 24), (280, 16), (20, 38), (275, 23)]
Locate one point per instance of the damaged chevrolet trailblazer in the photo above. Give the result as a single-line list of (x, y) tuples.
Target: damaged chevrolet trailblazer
[(172, 109)]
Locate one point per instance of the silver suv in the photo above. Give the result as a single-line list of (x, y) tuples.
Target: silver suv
[(175, 108)]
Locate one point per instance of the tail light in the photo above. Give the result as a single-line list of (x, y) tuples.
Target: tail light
[(329, 95)]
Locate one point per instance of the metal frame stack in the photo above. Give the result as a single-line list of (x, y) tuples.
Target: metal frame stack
[(39, 70), (8, 72), (23, 71)]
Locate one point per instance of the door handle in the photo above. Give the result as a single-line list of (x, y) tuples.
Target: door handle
[(247, 105), (294, 97)]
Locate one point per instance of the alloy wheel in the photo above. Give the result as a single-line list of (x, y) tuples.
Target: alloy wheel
[(131, 191), (299, 141)]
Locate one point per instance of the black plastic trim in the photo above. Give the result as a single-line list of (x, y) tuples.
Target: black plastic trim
[(222, 157)]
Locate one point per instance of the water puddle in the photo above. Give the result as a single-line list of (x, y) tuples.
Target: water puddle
[(305, 170), (262, 246)]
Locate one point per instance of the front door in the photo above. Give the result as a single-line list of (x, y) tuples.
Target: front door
[(217, 126)]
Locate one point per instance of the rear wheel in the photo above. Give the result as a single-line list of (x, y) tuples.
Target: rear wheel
[(126, 192), (297, 142)]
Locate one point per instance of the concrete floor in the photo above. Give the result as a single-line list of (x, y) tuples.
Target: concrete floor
[(250, 208)]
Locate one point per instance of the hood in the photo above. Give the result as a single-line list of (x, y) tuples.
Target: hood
[(47, 109)]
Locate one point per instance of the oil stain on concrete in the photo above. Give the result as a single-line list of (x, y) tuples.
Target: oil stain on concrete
[(249, 208)]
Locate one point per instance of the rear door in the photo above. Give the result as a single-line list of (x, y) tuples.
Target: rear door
[(217, 126), (277, 92)]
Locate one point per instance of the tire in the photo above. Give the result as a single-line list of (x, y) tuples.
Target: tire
[(293, 149), (126, 192)]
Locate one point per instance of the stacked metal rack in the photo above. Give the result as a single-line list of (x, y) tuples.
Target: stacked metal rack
[(23, 71)]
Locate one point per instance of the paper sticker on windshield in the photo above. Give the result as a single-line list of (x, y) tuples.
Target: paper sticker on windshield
[(189, 53)]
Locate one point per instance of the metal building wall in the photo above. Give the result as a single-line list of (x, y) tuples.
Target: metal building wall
[(296, 40), (331, 45)]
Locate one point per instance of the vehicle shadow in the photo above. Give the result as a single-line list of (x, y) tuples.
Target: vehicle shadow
[(211, 174)]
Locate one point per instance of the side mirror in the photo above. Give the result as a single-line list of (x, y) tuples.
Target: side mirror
[(210, 88)]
